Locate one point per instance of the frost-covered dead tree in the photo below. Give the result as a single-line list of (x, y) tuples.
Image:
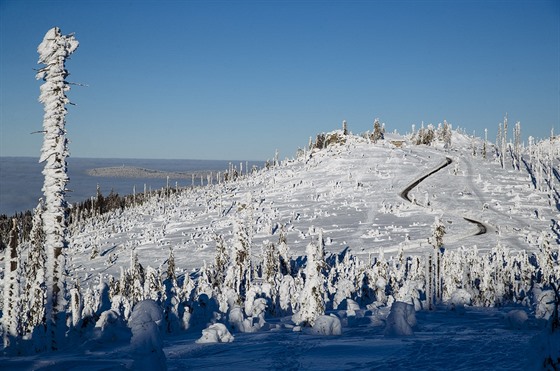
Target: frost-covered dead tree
[(53, 52), (503, 142), (517, 145), (485, 144)]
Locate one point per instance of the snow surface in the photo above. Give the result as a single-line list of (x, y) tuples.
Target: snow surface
[(351, 192), (357, 195)]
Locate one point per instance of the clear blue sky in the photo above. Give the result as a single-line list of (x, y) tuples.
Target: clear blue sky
[(239, 79)]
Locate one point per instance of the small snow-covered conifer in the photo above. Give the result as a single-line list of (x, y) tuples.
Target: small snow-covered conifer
[(35, 288), (312, 297), (284, 252), (271, 262), (11, 310), (221, 263), (377, 131), (136, 279), (238, 276), (438, 231)]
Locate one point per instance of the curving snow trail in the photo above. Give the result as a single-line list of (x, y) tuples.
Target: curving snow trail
[(482, 228), (410, 187)]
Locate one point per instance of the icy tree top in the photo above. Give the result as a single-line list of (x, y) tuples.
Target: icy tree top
[(54, 48)]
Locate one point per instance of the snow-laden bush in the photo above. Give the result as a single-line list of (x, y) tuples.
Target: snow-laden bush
[(547, 343), (146, 342), (216, 333), (460, 298), (251, 321), (401, 320), (110, 327), (327, 325), (545, 304)]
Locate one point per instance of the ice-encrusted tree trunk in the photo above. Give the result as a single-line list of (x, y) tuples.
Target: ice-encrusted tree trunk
[(504, 141), (53, 52)]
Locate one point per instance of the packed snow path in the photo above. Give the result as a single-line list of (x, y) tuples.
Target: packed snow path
[(411, 186), (482, 229)]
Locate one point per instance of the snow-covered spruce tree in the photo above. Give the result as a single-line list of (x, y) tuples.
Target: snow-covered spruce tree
[(238, 276), (11, 312), (271, 262), (446, 134), (53, 52), (135, 280), (221, 262), (433, 277), (35, 292), (546, 259), (153, 286), (312, 297), (377, 131), (284, 252), (172, 307)]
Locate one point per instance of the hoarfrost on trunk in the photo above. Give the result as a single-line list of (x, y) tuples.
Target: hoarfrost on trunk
[(53, 52)]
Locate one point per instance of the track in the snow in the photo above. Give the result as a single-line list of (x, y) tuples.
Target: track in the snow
[(482, 229)]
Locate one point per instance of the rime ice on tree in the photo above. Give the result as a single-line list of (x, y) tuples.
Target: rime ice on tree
[(53, 52)]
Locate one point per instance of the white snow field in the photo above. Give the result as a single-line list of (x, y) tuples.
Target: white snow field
[(375, 206)]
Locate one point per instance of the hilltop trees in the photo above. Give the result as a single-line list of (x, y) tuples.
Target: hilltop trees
[(53, 52), (378, 131)]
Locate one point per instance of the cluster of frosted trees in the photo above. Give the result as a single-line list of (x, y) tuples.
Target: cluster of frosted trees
[(540, 160), (427, 135), (43, 307), (242, 292)]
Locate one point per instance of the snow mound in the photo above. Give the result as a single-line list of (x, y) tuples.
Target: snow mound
[(401, 320), (545, 304), (516, 319), (146, 342), (216, 333), (460, 298), (327, 325), (110, 327)]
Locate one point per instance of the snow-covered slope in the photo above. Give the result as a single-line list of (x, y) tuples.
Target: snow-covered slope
[(352, 191), (377, 207)]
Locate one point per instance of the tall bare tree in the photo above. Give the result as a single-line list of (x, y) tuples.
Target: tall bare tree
[(53, 52)]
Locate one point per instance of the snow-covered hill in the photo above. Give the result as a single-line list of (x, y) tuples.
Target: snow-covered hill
[(353, 192), (474, 300)]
